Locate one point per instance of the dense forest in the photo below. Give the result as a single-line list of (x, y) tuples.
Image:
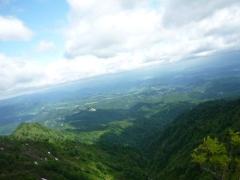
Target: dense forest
[(174, 146)]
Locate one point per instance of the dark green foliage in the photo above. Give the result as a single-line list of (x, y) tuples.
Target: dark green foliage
[(87, 121), (220, 160), (145, 127), (172, 151), (212, 157)]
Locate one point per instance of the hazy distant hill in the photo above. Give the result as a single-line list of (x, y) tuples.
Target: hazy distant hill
[(195, 79)]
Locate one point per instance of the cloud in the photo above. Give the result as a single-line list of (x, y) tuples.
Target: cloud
[(104, 37), (45, 46), (106, 29), (13, 29), (19, 75), (153, 30), (180, 12)]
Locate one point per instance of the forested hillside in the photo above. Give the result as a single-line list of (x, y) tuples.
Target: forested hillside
[(172, 151), (35, 152)]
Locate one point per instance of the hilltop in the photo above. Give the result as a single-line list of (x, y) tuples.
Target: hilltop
[(33, 152)]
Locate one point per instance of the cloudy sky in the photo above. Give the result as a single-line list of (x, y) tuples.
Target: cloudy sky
[(43, 43)]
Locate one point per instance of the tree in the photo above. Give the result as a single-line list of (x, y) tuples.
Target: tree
[(212, 157), (234, 153), (221, 160)]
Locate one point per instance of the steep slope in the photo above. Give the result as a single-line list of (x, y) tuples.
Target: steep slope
[(172, 150), (35, 152), (149, 120)]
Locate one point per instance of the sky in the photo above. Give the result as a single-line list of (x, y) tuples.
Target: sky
[(46, 42)]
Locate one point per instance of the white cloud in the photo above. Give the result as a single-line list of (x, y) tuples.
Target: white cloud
[(106, 29), (45, 46), (12, 28), (19, 75), (154, 30), (180, 12), (111, 36)]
